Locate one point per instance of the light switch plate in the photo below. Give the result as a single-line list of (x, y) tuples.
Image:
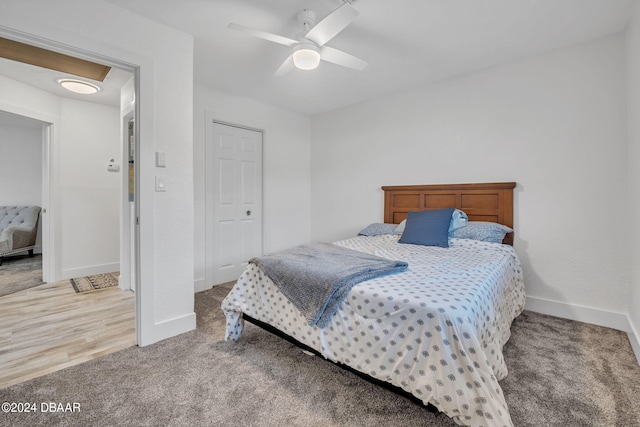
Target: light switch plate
[(160, 185), (160, 159), (112, 166)]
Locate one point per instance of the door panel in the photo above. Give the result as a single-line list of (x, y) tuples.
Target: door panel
[(234, 201), (248, 182), (227, 187)]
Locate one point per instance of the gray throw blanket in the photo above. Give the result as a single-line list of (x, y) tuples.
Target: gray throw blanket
[(316, 277)]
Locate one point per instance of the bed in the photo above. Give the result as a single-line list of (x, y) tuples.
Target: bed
[(436, 330)]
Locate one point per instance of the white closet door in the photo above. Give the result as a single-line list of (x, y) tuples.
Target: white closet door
[(234, 201)]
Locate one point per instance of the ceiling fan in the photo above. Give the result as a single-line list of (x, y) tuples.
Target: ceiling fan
[(311, 47)]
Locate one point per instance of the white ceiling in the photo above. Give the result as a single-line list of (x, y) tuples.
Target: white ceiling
[(47, 80), (407, 43)]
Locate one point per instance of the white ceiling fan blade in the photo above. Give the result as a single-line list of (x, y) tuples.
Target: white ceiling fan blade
[(332, 24), (263, 35), (286, 66), (339, 57)]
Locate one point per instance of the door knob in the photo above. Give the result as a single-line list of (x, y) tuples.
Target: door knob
[(248, 213)]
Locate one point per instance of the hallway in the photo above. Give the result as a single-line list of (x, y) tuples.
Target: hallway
[(50, 327)]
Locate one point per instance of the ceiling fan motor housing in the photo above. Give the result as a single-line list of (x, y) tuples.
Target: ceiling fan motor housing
[(307, 18)]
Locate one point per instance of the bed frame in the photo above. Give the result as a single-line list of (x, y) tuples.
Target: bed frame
[(481, 202), (397, 390)]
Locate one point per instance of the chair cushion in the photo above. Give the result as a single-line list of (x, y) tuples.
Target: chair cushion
[(21, 221)]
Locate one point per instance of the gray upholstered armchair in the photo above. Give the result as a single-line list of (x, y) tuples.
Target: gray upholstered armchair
[(18, 229)]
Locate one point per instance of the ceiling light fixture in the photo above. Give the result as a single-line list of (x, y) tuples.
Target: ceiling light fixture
[(306, 56), (78, 86)]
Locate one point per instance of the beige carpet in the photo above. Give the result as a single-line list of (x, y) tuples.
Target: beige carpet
[(94, 283), (561, 373), (20, 272)]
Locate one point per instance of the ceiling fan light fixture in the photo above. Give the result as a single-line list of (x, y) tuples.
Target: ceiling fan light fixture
[(79, 86), (306, 56)]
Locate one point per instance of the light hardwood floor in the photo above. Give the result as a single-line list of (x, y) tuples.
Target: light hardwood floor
[(51, 327)]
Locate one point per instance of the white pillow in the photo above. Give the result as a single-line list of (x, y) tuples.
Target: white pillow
[(482, 230)]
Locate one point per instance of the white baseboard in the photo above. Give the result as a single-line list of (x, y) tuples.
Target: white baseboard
[(634, 339), (595, 316), (167, 329), (89, 271), (200, 285), (579, 313)]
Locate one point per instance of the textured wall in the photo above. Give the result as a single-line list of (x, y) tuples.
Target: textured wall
[(89, 194), (555, 124)]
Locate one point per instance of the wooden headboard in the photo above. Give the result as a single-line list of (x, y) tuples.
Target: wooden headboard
[(481, 202)]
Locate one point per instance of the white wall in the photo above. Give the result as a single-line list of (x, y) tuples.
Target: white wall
[(286, 169), (20, 161), (633, 82), (89, 194), (555, 124), (164, 58)]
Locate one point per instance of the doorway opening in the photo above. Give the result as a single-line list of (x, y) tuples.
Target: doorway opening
[(78, 179)]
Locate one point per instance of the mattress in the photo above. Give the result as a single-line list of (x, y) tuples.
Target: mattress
[(435, 330)]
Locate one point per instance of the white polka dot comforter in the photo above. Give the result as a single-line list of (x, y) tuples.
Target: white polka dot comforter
[(436, 330)]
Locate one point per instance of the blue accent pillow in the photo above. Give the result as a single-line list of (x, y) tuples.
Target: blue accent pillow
[(428, 228), (459, 219)]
